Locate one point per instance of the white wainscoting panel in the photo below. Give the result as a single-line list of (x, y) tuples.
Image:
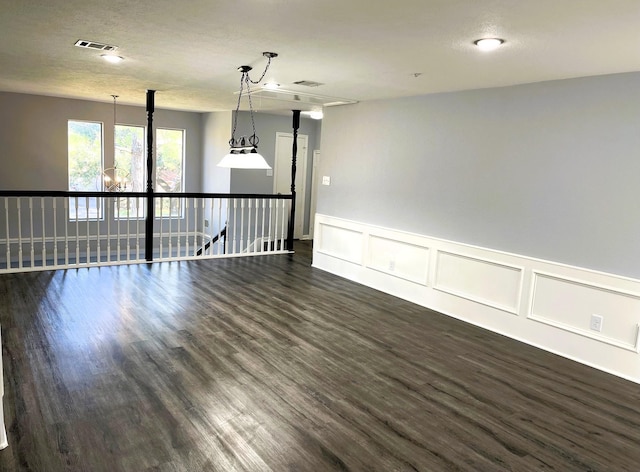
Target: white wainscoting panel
[(569, 304), (483, 281), (550, 304), (398, 258), (341, 242)]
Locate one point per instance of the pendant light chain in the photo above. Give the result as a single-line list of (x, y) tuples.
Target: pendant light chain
[(253, 140), (245, 81), (114, 111), (268, 56), (235, 118)]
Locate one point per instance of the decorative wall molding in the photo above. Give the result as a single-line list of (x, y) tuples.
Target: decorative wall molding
[(340, 241), (398, 258), (550, 303), (480, 280), (568, 303)]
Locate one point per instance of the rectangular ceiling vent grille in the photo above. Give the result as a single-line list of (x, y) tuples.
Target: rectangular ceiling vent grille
[(82, 43), (308, 83)]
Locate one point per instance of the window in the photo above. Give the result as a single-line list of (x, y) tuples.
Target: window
[(169, 170), (129, 155), (85, 166), (129, 160), (87, 169)]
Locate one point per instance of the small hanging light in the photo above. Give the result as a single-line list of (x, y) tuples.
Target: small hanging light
[(243, 152), (114, 179)]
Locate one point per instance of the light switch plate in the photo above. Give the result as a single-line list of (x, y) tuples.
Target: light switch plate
[(326, 180)]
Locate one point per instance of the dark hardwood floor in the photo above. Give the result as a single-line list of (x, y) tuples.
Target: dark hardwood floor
[(265, 364)]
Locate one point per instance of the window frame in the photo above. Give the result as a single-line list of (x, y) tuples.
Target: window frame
[(99, 208), (183, 150)]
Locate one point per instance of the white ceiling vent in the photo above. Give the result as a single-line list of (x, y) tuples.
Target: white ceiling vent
[(308, 83), (82, 43), (300, 97)]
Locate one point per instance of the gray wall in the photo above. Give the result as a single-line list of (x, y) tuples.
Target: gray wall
[(548, 170), (33, 138), (267, 125), (216, 130)]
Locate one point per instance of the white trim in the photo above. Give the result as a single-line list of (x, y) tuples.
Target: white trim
[(583, 332), (471, 297), (315, 162), (536, 274), (301, 169), (560, 326), (393, 273), (584, 283), (471, 246)]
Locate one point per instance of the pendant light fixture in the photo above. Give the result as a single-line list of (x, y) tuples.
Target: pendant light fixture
[(243, 152), (114, 179)]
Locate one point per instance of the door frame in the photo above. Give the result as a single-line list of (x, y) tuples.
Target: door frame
[(301, 168), (314, 192)]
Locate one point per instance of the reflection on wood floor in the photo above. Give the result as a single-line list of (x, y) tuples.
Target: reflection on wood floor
[(265, 364)]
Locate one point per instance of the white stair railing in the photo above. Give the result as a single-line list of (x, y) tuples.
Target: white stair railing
[(53, 230)]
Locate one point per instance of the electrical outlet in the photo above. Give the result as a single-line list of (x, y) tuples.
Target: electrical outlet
[(326, 180), (596, 323), (206, 223), (392, 265)]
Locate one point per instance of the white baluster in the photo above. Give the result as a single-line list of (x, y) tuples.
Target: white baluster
[(284, 218), (241, 222), (186, 251), (55, 232), (66, 232), (6, 219), (19, 207), (87, 203), (31, 251), (220, 228), (195, 226), (108, 206), (138, 201), (255, 228), (179, 229), (44, 242), (235, 225), (226, 237), (264, 207), (213, 202), (160, 224), (170, 225), (128, 219), (77, 202), (275, 228), (98, 215), (117, 221), (270, 224), (249, 227), (204, 229)]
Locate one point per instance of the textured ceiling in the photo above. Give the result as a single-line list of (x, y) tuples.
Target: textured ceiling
[(360, 49)]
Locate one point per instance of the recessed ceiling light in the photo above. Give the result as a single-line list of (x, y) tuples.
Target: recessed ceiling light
[(489, 44), (111, 58), (271, 85)]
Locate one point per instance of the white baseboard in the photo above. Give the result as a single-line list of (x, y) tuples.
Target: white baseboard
[(545, 304)]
